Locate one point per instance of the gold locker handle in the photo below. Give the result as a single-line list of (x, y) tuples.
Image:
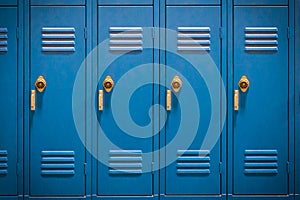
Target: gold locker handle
[(169, 99), (32, 106), (100, 100), (236, 99)]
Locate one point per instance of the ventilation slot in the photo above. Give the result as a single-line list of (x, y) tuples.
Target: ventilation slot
[(190, 39), (261, 39), (58, 40), (125, 162), (193, 162), (3, 40), (261, 162), (126, 39), (57, 163), (3, 162)]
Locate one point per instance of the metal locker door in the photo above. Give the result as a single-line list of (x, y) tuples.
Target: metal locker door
[(127, 30), (261, 123), (8, 101), (195, 171), (57, 155)]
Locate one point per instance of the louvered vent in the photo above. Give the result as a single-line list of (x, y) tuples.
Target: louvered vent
[(125, 162), (58, 39), (3, 40), (261, 162), (55, 163), (261, 39), (193, 39), (3, 162), (126, 39), (193, 162)]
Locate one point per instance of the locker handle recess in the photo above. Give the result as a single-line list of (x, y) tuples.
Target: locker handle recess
[(100, 100), (236, 99), (32, 106)]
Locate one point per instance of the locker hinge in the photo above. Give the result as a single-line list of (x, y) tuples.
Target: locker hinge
[(85, 33), (221, 168), (153, 33), (221, 32), (84, 168), (18, 169), (288, 167), (152, 167), (288, 32), (17, 32)]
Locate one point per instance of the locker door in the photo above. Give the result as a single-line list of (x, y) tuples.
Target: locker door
[(195, 171), (126, 29), (57, 155), (8, 101), (261, 130)]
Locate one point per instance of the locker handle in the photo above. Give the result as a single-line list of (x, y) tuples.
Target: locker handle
[(100, 100), (32, 106), (169, 99), (236, 100)]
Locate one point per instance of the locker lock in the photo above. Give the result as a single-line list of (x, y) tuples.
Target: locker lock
[(244, 84), (108, 84), (176, 84), (40, 84)]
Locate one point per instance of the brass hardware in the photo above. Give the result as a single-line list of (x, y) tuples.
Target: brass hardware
[(169, 101), (100, 100), (108, 84), (176, 84), (244, 84), (236, 99), (40, 84), (32, 106)]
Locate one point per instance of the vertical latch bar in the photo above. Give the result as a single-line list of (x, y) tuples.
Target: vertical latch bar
[(100, 100), (236, 100), (169, 95), (32, 106)]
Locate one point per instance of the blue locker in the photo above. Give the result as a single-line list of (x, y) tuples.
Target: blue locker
[(8, 101), (57, 48), (126, 30), (195, 171), (261, 117)]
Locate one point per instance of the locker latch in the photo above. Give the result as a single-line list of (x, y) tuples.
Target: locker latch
[(244, 84), (108, 84), (40, 84), (176, 84)]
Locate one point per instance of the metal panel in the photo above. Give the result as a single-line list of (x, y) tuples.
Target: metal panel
[(125, 2), (57, 2), (193, 2), (261, 129), (8, 101), (9, 3), (57, 156), (192, 173), (261, 2), (125, 29)]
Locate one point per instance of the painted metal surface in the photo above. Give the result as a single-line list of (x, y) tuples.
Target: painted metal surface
[(57, 156), (8, 101), (261, 125), (126, 29), (195, 172)]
